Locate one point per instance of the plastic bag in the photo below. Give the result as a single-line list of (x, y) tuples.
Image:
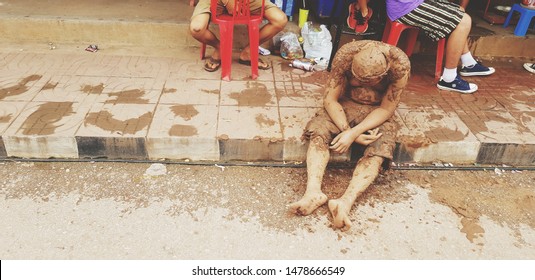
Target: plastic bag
[(317, 41), (290, 47)]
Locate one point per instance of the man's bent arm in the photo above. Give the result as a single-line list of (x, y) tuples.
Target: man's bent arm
[(387, 108), (335, 88)]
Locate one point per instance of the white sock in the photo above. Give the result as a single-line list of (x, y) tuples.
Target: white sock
[(448, 75), (467, 59)]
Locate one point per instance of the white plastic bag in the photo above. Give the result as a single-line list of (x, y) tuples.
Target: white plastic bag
[(317, 41), (290, 47)]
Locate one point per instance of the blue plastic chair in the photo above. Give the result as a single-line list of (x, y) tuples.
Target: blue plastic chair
[(525, 19)]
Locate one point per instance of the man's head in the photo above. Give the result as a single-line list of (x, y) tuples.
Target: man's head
[(369, 66)]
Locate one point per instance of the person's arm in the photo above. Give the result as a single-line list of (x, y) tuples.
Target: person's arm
[(400, 71), (335, 88)]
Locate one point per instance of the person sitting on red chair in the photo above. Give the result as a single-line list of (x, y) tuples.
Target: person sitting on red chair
[(440, 19), (201, 18)]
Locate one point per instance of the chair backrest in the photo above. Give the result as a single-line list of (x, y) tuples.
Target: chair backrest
[(241, 11)]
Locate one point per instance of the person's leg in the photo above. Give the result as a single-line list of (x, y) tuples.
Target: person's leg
[(457, 42), (317, 160), (464, 4), (199, 30), (277, 20), (366, 171), (363, 7)]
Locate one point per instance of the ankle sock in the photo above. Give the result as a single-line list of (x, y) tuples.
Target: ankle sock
[(467, 59), (448, 75)]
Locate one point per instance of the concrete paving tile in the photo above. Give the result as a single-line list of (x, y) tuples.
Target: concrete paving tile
[(184, 131), (45, 129), (183, 70), (71, 89), (496, 127), (516, 98), (25, 64), (248, 93), (20, 88), (115, 131), (123, 66), (429, 135), (250, 133), (117, 120), (3, 152), (121, 90), (192, 91), (294, 121), (297, 94), (9, 111)]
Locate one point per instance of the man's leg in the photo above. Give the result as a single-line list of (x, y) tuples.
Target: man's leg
[(366, 171), (199, 30), (276, 22), (317, 160)]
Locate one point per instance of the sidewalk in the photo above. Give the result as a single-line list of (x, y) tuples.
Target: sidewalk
[(94, 105)]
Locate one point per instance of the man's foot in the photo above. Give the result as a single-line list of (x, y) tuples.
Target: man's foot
[(355, 19), (340, 212), (476, 70), (530, 67), (308, 203), (262, 65), (458, 85), (212, 64)]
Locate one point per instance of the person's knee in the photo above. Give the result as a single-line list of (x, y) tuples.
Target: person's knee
[(466, 23), (278, 19), (198, 25)]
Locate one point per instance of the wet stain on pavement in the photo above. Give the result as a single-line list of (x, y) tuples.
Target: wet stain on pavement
[(215, 91), (185, 111), (44, 120), (183, 130), (256, 94), (19, 88), (132, 96), (49, 85), (169, 90), (264, 121), (6, 118), (89, 89), (106, 121)]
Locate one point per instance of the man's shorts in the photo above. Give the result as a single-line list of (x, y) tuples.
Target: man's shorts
[(204, 6), (437, 18), (323, 126)]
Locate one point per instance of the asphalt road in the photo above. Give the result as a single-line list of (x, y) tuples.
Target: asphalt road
[(94, 210)]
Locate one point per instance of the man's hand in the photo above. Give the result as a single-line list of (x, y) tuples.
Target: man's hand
[(370, 137), (343, 141)]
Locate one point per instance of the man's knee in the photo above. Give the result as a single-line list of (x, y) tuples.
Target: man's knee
[(277, 18), (198, 24)]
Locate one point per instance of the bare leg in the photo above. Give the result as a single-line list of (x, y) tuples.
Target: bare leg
[(457, 42), (363, 7), (276, 22), (317, 159), (199, 30), (365, 173)]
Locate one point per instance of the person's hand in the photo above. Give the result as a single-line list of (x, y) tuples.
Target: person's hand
[(368, 138), (342, 142)]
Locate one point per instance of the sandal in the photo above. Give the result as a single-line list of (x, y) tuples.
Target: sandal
[(211, 64), (261, 64)]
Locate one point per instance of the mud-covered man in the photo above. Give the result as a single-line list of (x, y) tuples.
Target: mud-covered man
[(363, 91)]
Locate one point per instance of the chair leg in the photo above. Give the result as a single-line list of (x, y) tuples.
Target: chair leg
[(203, 51), (439, 59), (254, 38), (523, 25), (510, 15), (226, 36), (412, 36)]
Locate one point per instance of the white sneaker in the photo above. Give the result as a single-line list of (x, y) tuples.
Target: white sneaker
[(263, 51), (530, 67)]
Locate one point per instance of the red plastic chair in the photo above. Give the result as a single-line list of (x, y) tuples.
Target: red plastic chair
[(240, 15), (392, 33)]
